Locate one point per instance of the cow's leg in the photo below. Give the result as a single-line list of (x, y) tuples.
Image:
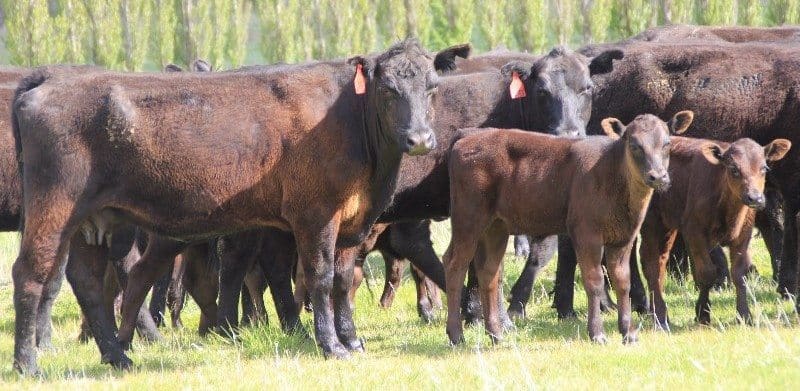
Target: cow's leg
[(315, 247), (86, 271), (589, 252), (394, 276), (343, 310), (44, 324), (155, 261), (302, 296), (541, 250), (770, 224), (412, 241), (235, 261), (618, 265), (457, 260), (787, 277), (358, 278), (176, 293), (428, 298), (277, 267), (488, 261), (471, 309), (41, 256), (704, 272), (657, 241), (522, 246), (201, 281), (255, 282), (720, 261), (678, 265), (564, 291), (638, 293), (122, 260), (158, 299), (741, 262)]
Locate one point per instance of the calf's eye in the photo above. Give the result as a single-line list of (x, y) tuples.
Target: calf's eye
[(735, 172)]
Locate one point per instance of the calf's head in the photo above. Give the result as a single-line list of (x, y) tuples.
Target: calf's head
[(647, 145), (559, 88), (745, 164), (399, 84)]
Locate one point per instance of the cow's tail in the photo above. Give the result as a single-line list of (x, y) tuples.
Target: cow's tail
[(33, 80)]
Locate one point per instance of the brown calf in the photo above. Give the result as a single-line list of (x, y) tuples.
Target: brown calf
[(597, 189), (715, 188)]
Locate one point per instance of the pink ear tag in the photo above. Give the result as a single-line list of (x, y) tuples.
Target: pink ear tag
[(360, 82), (517, 87)]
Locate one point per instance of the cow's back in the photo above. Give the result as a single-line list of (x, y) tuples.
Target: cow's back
[(518, 171), (201, 144), (734, 90)]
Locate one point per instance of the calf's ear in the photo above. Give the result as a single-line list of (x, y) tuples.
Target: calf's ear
[(613, 127), (172, 68), (445, 60), (367, 64), (604, 62), (712, 152), (777, 149), (680, 121), (522, 68), (200, 65)]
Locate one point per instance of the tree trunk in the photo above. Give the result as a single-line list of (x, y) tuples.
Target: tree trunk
[(189, 45), (666, 9), (586, 13), (127, 45), (411, 18)]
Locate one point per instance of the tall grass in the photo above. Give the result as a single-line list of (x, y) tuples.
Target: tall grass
[(402, 352)]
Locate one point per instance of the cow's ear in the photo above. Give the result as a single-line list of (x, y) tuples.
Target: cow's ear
[(201, 66), (604, 62), (777, 149), (445, 60), (172, 68), (712, 152), (680, 121), (522, 68), (367, 64), (613, 128)]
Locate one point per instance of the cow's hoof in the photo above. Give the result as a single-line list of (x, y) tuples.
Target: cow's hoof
[(456, 338), (27, 367), (122, 364), (496, 338), (516, 311), (336, 351), (356, 345), (568, 314), (630, 339), (662, 325), (600, 339)]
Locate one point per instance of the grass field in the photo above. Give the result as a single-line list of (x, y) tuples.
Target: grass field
[(404, 353)]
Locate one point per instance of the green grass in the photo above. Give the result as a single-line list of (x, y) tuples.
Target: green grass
[(404, 353)]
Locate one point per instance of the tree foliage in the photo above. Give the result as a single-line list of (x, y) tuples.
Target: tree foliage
[(138, 34)]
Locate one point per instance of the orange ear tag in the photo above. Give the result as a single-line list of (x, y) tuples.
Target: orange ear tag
[(360, 82), (517, 87)]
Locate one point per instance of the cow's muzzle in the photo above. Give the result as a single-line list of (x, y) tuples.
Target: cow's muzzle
[(420, 142)]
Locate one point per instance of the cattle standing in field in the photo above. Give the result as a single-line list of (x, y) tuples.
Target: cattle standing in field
[(715, 189), (737, 91), (596, 190), (315, 149), (732, 34)]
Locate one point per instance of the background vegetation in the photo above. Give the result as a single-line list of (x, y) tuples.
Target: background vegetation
[(147, 34)]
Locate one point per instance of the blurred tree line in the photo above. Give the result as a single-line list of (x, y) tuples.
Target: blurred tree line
[(147, 34)]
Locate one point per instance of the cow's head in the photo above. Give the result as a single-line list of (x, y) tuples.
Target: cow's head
[(559, 88), (399, 84), (647, 144), (746, 166)]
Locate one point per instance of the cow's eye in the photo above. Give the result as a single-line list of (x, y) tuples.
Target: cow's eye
[(764, 169), (431, 90), (587, 90), (735, 172), (543, 93)]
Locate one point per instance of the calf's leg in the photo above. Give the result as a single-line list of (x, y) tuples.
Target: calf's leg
[(488, 260), (343, 310), (589, 251), (657, 242), (740, 257), (44, 324), (394, 276), (618, 260)]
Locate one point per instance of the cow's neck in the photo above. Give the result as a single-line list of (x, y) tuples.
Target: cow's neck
[(730, 212), (631, 186), (382, 156)]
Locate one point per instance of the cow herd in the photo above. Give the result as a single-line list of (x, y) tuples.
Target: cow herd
[(286, 176)]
